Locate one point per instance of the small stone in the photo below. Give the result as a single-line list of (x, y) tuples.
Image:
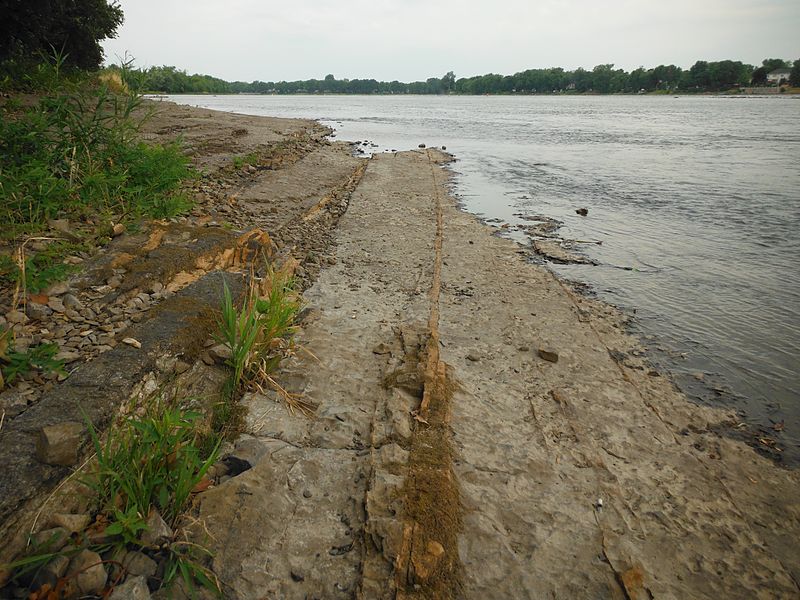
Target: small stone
[(524, 348), (132, 342), (71, 301), (13, 403), (157, 532), (118, 229), (181, 367), (134, 588), (59, 444), (51, 540), (138, 563), (297, 576), (58, 289), (221, 353), (56, 305), (382, 349), (307, 494), (37, 312), (114, 282), (72, 523), (473, 357), (16, 317), (156, 287), (68, 356), (89, 574), (51, 572), (548, 354)]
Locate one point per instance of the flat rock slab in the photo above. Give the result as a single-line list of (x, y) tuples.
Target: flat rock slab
[(585, 478)]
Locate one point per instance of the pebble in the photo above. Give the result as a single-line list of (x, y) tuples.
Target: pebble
[(71, 301), (56, 305), (132, 342), (548, 354), (157, 532), (16, 317), (57, 289), (89, 574), (134, 588), (72, 523), (59, 444)]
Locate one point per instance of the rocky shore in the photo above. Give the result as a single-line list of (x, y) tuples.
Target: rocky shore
[(478, 429)]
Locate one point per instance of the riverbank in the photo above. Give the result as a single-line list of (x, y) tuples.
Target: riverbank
[(479, 430)]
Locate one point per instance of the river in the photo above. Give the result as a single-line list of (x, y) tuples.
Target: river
[(696, 200)]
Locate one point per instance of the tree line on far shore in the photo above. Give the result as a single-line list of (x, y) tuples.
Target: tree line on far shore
[(703, 76)]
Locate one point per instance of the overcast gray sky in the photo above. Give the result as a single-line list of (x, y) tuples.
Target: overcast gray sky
[(415, 39)]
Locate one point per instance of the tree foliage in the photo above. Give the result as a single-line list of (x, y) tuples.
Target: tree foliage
[(703, 76), (794, 76), (71, 27)]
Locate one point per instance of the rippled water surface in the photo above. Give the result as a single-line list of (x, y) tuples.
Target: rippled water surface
[(698, 196)]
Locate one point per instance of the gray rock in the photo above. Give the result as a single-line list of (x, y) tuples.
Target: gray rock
[(88, 571), (51, 540), (158, 532), (57, 289), (68, 356), (221, 353), (13, 403), (138, 563), (37, 312), (56, 305), (72, 523), (548, 354), (16, 317), (59, 444), (51, 572), (71, 301), (135, 588)]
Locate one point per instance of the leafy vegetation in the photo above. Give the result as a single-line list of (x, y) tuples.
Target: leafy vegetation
[(15, 364), (32, 28), (151, 462), (259, 336), (247, 159), (703, 76), (74, 157), (146, 463)]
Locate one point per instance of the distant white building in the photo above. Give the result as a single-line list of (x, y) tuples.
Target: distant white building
[(778, 74)]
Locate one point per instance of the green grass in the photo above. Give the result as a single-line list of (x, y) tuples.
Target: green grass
[(75, 155), (147, 462), (259, 336), (246, 159), (15, 364)]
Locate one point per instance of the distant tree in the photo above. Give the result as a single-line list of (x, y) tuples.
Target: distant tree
[(759, 76), (770, 64), (75, 27), (794, 76), (449, 81)]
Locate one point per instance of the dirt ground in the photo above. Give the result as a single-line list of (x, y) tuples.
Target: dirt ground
[(480, 429)]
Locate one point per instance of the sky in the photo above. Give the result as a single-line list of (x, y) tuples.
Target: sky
[(411, 40)]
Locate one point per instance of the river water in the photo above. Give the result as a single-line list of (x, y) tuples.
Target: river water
[(696, 201)]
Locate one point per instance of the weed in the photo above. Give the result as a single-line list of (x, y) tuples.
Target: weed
[(259, 337), (152, 462), (245, 159), (14, 364), (148, 462)]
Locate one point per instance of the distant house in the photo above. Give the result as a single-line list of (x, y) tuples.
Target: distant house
[(779, 75)]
